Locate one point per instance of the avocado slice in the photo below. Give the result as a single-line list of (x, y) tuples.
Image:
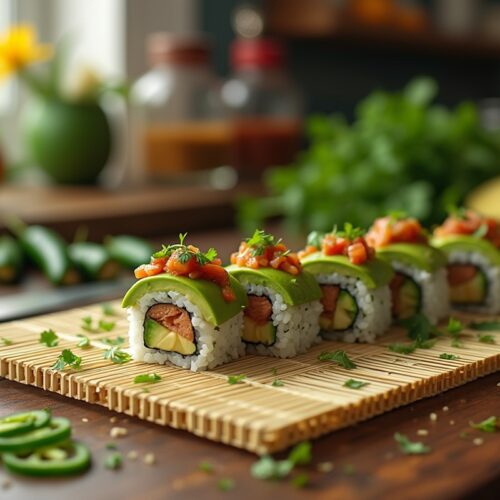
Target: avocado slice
[(464, 243), (471, 292), (344, 316), (253, 333), (423, 257), (409, 299), (295, 290), (156, 336), (205, 294), (373, 274)]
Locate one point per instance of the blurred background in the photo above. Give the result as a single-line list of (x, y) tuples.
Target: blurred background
[(151, 118)]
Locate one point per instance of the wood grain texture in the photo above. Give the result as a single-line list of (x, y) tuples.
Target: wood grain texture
[(254, 414)]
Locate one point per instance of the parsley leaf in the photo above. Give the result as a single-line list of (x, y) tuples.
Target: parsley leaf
[(206, 466), (184, 253), (277, 383), (445, 355), (67, 358), (259, 241), (354, 384), (315, 239), (225, 484), (488, 425), (419, 329), (114, 461), (485, 326), (403, 348), (107, 310), (301, 453), (454, 325), (339, 357), (486, 339), (5, 342), (410, 448), (84, 342), (49, 338), (106, 326), (147, 378), (350, 232), (235, 379), (116, 341), (115, 355), (87, 325), (301, 480)]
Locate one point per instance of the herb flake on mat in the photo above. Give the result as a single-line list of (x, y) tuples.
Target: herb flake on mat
[(454, 325), (106, 326), (277, 383), (445, 355), (354, 384), (225, 484), (485, 326), (87, 325), (419, 329), (488, 425), (49, 338), (486, 339), (403, 348), (116, 341), (5, 342), (339, 357), (410, 447), (114, 461), (206, 466), (108, 310), (147, 378), (67, 358), (117, 356), (300, 480), (235, 379), (84, 341)]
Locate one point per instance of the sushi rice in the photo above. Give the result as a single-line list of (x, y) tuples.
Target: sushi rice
[(433, 287), (492, 274), (215, 344), (297, 326), (374, 309)]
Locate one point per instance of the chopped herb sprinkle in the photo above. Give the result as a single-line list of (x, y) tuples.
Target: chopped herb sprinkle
[(49, 338), (147, 378), (339, 357), (67, 358), (488, 425), (355, 384), (235, 379), (445, 355), (409, 447)]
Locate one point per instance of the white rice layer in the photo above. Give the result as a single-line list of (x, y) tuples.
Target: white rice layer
[(433, 287), (215, 344), (297, 327), (492, 273), (374, 309)]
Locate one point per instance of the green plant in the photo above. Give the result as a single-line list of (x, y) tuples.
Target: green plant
[(402, 152)]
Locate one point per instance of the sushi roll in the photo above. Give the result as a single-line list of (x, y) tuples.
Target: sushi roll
[(420, 282), (471, 244), (281, 318), (354, 284), (185, 309)]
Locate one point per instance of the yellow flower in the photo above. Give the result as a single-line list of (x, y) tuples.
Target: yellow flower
[(18, 49)]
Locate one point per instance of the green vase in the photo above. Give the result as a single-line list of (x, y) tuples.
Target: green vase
[(71, 142)]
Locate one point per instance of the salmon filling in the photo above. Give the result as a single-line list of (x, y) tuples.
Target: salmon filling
[(257, 325), (340, 309), (468, 284)]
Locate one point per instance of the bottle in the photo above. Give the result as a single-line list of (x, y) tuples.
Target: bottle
[(177, 117), (265, 107)]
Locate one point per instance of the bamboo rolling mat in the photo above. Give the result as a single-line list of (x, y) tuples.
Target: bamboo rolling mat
[(253, 414)]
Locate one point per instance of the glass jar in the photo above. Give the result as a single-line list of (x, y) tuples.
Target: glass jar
[(265, 106), (178, 119)]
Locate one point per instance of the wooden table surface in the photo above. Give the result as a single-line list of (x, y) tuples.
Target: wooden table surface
[(365, 458)]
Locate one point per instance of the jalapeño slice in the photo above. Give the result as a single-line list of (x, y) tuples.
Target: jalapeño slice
[(20, 423)]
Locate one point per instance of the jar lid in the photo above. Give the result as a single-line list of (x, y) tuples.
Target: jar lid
[(165, 47), (257, 53)]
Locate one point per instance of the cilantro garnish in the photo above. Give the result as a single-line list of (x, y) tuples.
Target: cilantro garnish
[(445, 355), (107, 310), (454, 326), (84, 342), (147, 378), (113, 461), (5, 342), (397, 215), (49, 338), (315, 239), (457, 212), (350, 232), (259, 241), (486, 339), (485, 326), (354, 384), (206, 466), (67, 358), (277, 383), (300, 480), (116, 355), (225, 484), (488, 425), (481, 231), (116, 341), (184, 253), (106, 326), (339, 357), (403, 348), (87, 325), (235, 379), (419, 329), (410, 448)]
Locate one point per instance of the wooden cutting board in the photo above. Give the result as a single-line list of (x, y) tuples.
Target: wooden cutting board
[(254, 415)]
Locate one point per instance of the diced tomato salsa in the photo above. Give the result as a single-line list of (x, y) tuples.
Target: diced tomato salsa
[(184, 262), (471, 223), (387, 230), (276, 256)]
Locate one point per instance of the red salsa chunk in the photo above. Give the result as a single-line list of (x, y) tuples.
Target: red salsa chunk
[(388, 230)]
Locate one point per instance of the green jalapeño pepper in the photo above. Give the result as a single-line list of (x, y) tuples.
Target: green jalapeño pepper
[(59, 429), (20, 423), (11, 260), (62, 459)]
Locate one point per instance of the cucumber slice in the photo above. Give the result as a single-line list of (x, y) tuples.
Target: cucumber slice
[(156, 336), (344, 316), (406, 298), (253, 333), (472, 292)]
